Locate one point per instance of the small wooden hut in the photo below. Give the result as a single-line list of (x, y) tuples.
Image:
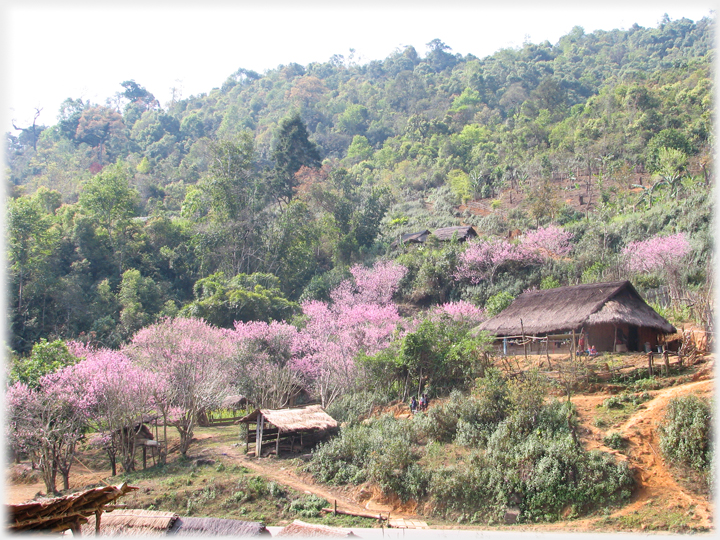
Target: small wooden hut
[(286, 429), (462, 233), (611, 316), (412, 238), (234, 403)]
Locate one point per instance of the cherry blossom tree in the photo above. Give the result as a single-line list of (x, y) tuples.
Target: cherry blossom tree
[(360, 319), (48, 421), (262, 368), (666, 255), (482, 259), (191, 363), (547, 242), (121, 394), (462, 312)]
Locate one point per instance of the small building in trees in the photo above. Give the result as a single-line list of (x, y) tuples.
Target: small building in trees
[(609, 316), (273, 430), (462, 233)]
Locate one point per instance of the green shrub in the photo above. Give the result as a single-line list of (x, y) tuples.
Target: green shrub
[(308, 506), (351, 407), (498, 302), (685, 433), (614, 440)]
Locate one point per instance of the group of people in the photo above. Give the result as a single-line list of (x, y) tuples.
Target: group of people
[(590, 351), (422, 405)]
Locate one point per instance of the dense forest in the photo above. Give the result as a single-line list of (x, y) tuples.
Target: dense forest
[(260, 196)]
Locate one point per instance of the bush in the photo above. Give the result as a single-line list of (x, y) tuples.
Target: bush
[(308, 506), (381, 452), (685, 433), (497, 303), (351, 408), (614, 440)]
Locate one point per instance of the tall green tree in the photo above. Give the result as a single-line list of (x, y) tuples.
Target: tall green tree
[(293, 149)]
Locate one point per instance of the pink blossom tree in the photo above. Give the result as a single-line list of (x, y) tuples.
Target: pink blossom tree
[(360, 319), (547, 242), (666, 255), (121, 394), (262, 368), (482, 258), (48, 422), (462, 312), (190, 361)]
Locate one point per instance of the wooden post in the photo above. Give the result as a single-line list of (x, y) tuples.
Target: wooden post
[(650, 363), (262, 429), (666, 358), (615, 339), (144, 456), (335, 508), (547, 350), (277, 445), (98, 513), (257, 435), (573, 348), (247, 438), (522, 328)]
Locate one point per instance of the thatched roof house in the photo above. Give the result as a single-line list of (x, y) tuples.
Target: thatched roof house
[(62, 513), (609, 314), (462, 233), (304, 425), (187, 526), (131, 522)]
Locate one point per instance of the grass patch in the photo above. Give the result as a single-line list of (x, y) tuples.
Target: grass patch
[(617, 409), (653, 518)]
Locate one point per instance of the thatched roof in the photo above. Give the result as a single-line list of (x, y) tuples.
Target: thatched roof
[(570, 308), (237, 401), (131, 522), (310, 530), (61, 513), (302, 419), (415, 238), (187, 526), (447, 233)]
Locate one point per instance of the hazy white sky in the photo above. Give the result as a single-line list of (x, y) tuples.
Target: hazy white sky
[(56, 50)]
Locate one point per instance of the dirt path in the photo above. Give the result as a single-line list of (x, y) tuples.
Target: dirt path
[(656, 482), (283, 473)]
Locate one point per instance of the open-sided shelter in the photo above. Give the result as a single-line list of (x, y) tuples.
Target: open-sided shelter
[(612, 316), (64, 513), (286, 429)]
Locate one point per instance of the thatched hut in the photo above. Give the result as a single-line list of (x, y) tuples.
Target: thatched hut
[(462, 233), (412, 238), (235, 402), (132, 522), (187, 526), (286, 429), (60, 514), (610, 316)]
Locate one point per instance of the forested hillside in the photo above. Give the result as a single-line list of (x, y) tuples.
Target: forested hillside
[(245, 203)]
